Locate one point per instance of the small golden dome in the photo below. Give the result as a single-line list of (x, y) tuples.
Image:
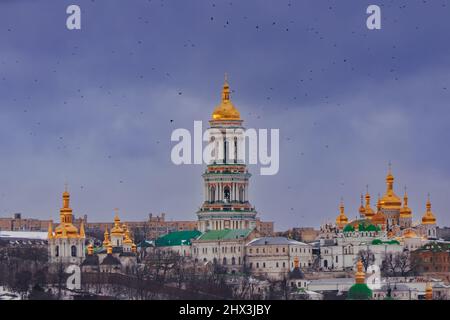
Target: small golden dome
[(360, 276), (428, 217), (226, 110), (390, 200), (405, 211), (362, 210), (117, 229), (409, 233), (341, 219), (368, 211)]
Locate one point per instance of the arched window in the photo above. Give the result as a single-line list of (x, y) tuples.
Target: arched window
[(233, 261), (215, 260), (226, 193), (241, 194), (212, 194), (235, 150), (57, 251), (224, 261), (73, 251)]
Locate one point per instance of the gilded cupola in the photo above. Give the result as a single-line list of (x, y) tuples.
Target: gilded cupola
[(390, 200), (66, 229), (341, 219), (362, 210), (405, 211), (360, 276), (368, 211), (226, 110), (117, 230), (379, 218), (428, 217), (106, 241)]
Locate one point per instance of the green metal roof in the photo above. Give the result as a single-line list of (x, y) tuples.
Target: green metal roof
[(177, 238), (225, 234), (359, 291)]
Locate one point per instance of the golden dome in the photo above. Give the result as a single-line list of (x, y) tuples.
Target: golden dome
[(127, 237), (66, 229), (106, 238), (405, 211), (409, 233), (226, 110), (362, 210), (368, 211), (117, 229), (360, 276), (342, 219), (379, 218), (390, 200), (428, 217)]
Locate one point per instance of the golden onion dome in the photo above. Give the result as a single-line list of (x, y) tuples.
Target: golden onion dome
[(390, 200), (368, 211), (428, 217), (405, 211), (409, 233), (362, 210), (226, 110), (117, 230), (360, 276), (341, 219)]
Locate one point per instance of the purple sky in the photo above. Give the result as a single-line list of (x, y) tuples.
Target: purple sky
[(94, 107)]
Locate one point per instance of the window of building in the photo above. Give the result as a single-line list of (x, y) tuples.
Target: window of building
[(73, 251)]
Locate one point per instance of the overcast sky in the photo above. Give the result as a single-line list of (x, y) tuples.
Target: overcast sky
[(96, 107)]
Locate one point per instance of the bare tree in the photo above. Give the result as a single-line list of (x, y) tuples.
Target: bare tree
[(367, 258)]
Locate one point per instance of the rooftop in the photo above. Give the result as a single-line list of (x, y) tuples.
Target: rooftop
[(30, 235), (177, 238), (225, 234), (274, 240)]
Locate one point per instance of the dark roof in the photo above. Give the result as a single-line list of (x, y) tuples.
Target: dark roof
[(296, 273), (110, 260), (91, 260)]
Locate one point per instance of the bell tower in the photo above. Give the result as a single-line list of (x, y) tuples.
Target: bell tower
[(226, 179)]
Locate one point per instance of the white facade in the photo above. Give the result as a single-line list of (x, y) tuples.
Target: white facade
[(274, 257)]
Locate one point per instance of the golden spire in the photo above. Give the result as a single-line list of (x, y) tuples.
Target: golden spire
[(82, 233), (362, 210), (342, 219), (390, 200), (90, 249), (133, 248), (379, 218), (50, 230), (405, 211), (429, 292), (360, 276), (368, 210), (428, 217), (109, 249), (226, 110), (106, 238), (117, 229), (127, 237), (66, 229)]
